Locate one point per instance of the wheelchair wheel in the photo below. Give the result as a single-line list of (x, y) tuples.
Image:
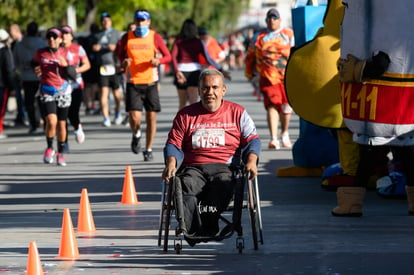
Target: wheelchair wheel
[(258, 207), (240, 244), (162, 210), (178, 247), (168, 208), (254, 212)]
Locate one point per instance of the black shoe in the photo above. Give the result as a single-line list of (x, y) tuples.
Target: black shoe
[(148, 156), (32, 130), (126, 120), (191, 242), (20, 122), (135, 145)]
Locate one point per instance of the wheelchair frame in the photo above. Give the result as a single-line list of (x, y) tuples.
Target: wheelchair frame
[(252, 203)]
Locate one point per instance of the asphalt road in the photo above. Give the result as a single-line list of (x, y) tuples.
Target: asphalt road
[(300, 235)]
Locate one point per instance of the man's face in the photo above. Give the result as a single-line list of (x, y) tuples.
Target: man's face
[(211, 92), (106, 23), (142, 23), (273, 23)]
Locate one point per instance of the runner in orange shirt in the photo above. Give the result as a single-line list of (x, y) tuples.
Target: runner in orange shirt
[(267, 55), (213, 48)]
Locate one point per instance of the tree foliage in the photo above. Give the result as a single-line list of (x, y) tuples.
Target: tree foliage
[(46, 12), (167, 15)]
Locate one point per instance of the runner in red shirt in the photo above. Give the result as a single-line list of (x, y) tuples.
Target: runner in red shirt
[(53, 65), (81, 62)]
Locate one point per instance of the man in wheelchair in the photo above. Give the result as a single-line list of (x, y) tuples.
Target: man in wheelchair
[(208, 141)]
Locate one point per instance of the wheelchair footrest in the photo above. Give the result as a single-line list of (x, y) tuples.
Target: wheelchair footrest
[(225, 233), (200, 239)]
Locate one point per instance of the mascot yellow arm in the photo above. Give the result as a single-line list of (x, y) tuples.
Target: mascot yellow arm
[(312, 79)]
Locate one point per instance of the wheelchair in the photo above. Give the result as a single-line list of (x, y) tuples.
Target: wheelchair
[(245, 196)]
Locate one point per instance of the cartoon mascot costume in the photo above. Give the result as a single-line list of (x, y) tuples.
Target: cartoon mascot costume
[(375, 93), (312, 86)]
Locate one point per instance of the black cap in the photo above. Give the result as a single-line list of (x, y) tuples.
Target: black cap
[(202, 31), (273, 13)]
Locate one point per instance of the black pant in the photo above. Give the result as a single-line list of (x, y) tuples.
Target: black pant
[(207, 190), (73, 115), (375, 157), (32, 105)]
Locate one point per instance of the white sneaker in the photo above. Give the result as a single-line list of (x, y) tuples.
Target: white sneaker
[(106, 122), (274, 144), (286, 141), (79, 135), (118, 119)]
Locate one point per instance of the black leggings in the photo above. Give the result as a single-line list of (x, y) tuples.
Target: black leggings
[(32, 106), (373, 158), (77, 99)]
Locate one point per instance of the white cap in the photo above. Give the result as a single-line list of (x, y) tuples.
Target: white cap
[(4, 35)]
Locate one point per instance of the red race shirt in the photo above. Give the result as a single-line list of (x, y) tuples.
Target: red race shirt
[(206, 137)]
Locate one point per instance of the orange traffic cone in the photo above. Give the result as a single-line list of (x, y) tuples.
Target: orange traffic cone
[(68, 249), (34, 266), (85, 219), (129, 195)]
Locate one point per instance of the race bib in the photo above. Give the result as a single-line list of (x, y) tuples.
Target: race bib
[(107, 70), (208, 138)]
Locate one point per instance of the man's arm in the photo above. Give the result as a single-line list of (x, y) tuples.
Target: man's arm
[(173, 157), (252, 148), (115, 36), (163, 50), (250, 166), (120, 51)]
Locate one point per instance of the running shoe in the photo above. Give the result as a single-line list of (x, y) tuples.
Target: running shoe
[(66, 148), (274, 144), (79, 135), (148, 155), (135, 144), (126, 121), (60, 159), (118, 118), (32, 130), (286, 141), (106, 122), (48, 156)]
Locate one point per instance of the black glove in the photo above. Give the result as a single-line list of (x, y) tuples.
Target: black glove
[(352, 69), (71, 72), (377, 66)]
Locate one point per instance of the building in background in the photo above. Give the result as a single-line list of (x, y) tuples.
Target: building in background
[(256, 13)]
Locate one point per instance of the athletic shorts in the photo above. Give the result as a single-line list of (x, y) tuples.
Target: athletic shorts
[(58, 105), (111, 81), (274, 95), (192, 80), (140, 96)]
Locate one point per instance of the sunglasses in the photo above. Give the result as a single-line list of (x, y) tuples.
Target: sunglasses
[(52, 35)]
